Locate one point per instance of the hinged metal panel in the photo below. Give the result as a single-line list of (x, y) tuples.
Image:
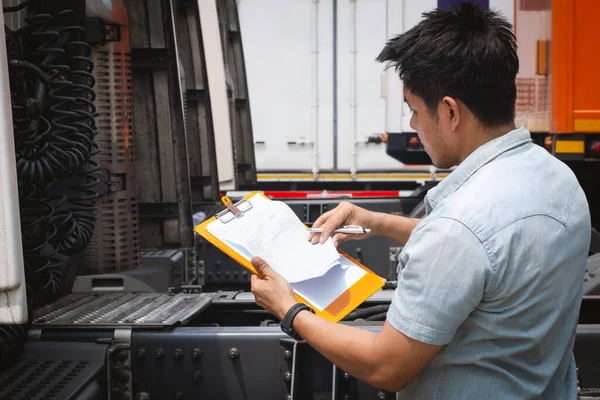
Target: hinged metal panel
[(116, 310)]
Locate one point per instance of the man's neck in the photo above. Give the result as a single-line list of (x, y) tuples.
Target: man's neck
[(485, 135)]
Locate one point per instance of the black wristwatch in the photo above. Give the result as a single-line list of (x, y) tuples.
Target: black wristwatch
[(286, 323)]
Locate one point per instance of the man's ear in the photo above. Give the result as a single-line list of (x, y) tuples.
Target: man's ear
[(452, 111)]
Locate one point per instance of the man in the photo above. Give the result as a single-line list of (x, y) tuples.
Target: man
[(490, 282)]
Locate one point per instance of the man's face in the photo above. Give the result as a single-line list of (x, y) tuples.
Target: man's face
[(432, 134)]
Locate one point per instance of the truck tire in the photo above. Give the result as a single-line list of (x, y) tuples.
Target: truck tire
[(591, 280)]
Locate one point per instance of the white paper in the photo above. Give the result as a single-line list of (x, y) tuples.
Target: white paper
[(273, 232), (321, 292)]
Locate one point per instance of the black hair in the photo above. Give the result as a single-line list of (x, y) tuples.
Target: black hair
[(465, 53)]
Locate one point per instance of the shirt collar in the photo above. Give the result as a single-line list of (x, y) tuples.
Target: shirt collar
[(477, 159)]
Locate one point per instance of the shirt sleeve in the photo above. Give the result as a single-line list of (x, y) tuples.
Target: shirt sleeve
[(443, 278)]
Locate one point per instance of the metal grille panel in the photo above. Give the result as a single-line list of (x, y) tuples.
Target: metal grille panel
[(115, 246), (114, 104), (52, 371), (35, 373), (122, 310)]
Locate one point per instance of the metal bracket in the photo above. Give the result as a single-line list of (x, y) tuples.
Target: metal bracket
[(288, 365), (118, 361), (112, 32), (234, 210), (345, 387), (194, 268), (116, 182), (201, 275), (301, 142), (340, 379), (298, 359)]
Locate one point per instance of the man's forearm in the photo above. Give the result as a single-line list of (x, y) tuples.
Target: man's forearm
[(395, 227), (351, 349)]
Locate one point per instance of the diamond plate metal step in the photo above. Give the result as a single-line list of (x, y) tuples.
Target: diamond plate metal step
[(54, 371), (121, 310)]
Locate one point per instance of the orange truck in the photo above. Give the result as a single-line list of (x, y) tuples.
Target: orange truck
[(575, 82), (558, 85)]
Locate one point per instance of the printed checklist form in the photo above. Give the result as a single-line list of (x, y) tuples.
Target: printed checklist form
[(318, 273)]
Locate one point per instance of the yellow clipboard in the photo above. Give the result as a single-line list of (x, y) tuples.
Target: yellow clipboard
[(339, 308)]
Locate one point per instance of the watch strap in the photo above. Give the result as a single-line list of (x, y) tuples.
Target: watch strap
[(288, 320)]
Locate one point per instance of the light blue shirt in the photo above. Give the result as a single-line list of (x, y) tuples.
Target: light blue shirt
[(495, 273)]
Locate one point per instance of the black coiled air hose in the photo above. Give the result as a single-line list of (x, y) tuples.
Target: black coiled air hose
[(65, 104), (69, 113), (18, 7), (54, 121), (41, 155), (74, 217), (84, 201), (42, 268)]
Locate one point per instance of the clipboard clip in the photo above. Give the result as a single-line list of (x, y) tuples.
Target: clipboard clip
[(233, 210)]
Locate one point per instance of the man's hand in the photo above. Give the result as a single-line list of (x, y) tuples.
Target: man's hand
[(271, 291), (395, 227), (344, 214)]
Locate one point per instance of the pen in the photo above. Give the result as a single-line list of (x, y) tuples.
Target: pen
[(356, 230)]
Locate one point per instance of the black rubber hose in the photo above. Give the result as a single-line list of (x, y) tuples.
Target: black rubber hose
[(18, 7), (54, 127), (365, 312), (377, 317), (52, 96)]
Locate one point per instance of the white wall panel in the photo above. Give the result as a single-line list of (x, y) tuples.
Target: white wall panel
[(374, 85), (278, 40)]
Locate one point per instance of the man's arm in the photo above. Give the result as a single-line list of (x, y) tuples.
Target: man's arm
[(389, 360), (394, 227), (445, 272)]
